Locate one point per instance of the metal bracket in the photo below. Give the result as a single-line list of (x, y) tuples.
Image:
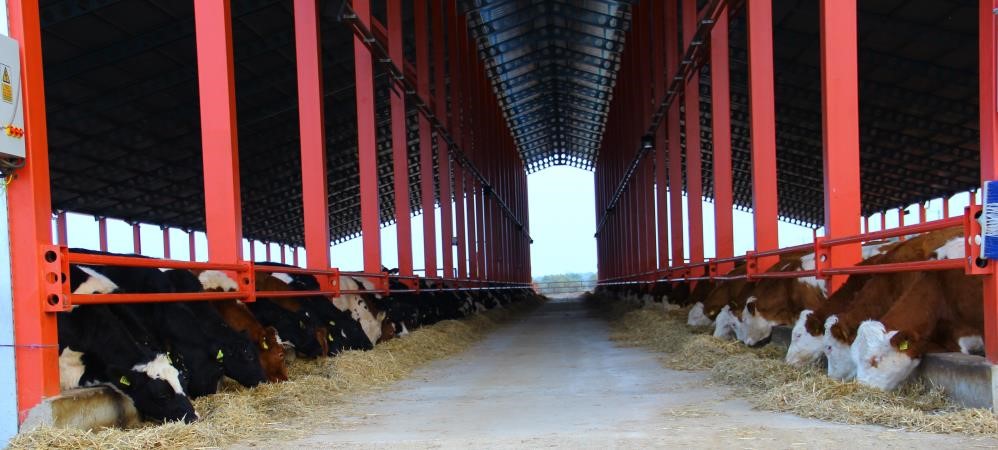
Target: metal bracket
[(55, 278), (975, 264)]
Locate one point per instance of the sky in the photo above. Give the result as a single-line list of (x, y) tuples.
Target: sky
[(562, 223)]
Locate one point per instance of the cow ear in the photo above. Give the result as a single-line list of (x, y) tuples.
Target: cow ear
[(750, 307)]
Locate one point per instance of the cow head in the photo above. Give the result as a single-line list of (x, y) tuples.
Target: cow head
[(756, 326), (837, 352), (879, 363), (697, 318), (272, 356), (805, 348), (725, 324), (241, 361), (155, 389)]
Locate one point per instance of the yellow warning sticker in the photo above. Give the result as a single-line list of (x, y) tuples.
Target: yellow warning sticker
[(6, 89)]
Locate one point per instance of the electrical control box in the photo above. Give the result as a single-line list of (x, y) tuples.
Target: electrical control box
[(11, 107)]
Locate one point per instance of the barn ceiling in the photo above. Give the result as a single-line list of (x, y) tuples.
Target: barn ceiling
[(124, 126)]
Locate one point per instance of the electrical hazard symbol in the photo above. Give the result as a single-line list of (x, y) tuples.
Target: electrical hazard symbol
[(6, 89)]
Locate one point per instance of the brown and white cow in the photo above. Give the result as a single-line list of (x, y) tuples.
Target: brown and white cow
[(778, 301), (807, 337), (940, 312), (360, 306), (878, 295)]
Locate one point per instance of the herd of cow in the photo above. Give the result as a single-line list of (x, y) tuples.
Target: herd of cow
[(163, 354), (875, 328)]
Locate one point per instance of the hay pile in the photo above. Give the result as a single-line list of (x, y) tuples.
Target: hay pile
[(761, 376), (315, 396)]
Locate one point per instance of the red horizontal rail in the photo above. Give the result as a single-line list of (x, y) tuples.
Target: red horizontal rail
[(783, 251), (914, 266), (135, 261), (795, 274), (936, 225), (294, 270), (111, 299)]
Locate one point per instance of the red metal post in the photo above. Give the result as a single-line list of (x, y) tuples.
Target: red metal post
[(294, 256), (945, 206), (311, 123), (840, 127), (921, 212), (988, 67), (190, 246), (459, 197), (473, 205), (482, 233), (61, 228), (30, 215), (694, 175), (367, 144), (762, 107), (102, 233), (136, 239), (883, 220), (675, 150), (219, 143), (166, 242), (400, 145), (446, 224), (252, 250), (267, 248), (721, 125), (427, 193), (659, 42)]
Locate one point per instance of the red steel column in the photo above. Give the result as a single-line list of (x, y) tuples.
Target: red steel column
[(762, 108), (400, 145), (659, 42), (61, 229), (840, 126), (367, 145), (166, 242), (483, 234), (426, 191), (473, 205), (136, 239), (294, 256), (721, 115), (219, 143), (989, 153), (675, 151), (459, 198), (102, 233), (193, 253), (267, 247), (694, 176), (311, 122), (30, 215)]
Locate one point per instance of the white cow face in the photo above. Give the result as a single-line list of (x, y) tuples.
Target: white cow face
[(838, 354), (697, 318), (757, 328), (878, 363), (805, 348), (726, 323)]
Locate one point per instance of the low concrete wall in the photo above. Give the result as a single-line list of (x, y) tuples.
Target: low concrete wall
[(781, 336), (967, 379)]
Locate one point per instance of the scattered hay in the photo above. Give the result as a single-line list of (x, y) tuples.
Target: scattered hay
[(760, 375), (316, 395)]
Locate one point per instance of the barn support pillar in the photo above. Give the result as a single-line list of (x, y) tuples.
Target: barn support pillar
[(459, 206), (762, 110), (219, 137), (400, 144), (426, 190), (659, 40), (35, 339), (62, 229), (166, 243), (473, 205), (311, 120), (694, 175), (370, 221), (721, 126), (102, 233), (136, 239), (988, 66), (191, 249), (675, 150), (840, 117)]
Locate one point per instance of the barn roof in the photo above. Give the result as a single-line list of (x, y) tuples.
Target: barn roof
[(123, 113)]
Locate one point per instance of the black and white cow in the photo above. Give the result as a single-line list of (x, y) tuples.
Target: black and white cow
[(97, 348)]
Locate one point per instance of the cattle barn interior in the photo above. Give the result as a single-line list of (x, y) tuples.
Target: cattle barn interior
[(306, 123)]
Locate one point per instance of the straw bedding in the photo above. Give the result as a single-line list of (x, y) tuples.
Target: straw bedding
[(317, 395), (761, 376)]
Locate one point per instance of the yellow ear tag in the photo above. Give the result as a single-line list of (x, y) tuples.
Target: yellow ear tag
[(903, 346), (219, 356), (124, 381), (330, 337), (263, 344), (168, 358), (332, 323)]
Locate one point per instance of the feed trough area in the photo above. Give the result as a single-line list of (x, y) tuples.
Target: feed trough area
[(498, 223)]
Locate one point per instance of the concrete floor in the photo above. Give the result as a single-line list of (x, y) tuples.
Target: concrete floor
[(554, 379)]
